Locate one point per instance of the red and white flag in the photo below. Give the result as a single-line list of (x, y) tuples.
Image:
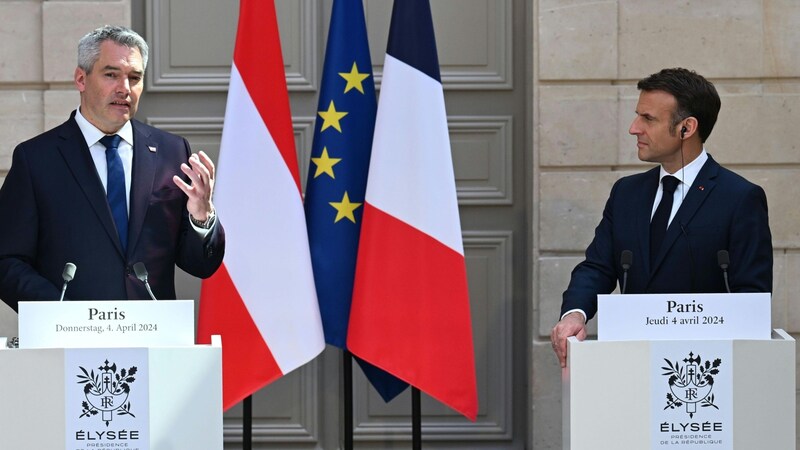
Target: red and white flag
[(410, 314), (262, 301)]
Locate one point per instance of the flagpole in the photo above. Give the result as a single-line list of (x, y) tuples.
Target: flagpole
[(247, 423), (348, 399), (416, 420)]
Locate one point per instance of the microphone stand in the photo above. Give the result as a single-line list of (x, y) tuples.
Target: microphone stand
[(625, 260), (141, 274)]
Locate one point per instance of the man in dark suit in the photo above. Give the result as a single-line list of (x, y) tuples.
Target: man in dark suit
[(674, 237), (104, 192)]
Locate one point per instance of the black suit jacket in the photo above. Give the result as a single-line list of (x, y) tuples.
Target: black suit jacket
[(53, 210), (721, 211)]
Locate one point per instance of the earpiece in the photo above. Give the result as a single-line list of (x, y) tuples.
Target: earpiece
[(683, 131)]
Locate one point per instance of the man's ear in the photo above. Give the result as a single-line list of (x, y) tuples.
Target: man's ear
[(688, 127), (80, 79)]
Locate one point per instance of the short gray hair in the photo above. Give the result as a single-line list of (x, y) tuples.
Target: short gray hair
[(89, 45)]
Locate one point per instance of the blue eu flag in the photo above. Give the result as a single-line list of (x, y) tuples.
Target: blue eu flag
[(337, 176)]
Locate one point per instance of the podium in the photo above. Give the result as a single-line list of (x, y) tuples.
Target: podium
[(733, 394), (607, 402), (136, 397)]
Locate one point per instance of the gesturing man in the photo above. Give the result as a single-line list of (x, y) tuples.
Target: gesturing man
[(105, 191)]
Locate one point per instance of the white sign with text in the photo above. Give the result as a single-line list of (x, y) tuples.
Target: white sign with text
[(683, 316), (120, 323)]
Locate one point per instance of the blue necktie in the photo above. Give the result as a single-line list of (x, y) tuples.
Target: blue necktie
[(115, 188), (658, 226)]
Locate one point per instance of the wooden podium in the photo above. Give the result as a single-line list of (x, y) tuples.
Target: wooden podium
[(170, 398), (680, 393)]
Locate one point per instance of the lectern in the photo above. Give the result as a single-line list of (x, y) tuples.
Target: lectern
[(105, 390), (665, 392)]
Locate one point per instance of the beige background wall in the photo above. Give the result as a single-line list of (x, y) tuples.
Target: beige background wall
[(588, 56), (37, 58), (583, 59)]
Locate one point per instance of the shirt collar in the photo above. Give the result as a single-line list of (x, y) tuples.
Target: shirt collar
[(690, 171), (92, 134)]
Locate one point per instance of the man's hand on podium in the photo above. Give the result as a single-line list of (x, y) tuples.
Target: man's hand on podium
[(571, 325)]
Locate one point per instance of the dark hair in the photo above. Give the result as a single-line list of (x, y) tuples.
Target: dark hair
[(695, 96)]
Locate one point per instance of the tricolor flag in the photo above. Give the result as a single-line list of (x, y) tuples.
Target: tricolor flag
[(262, 301), (337, 176), (410, 313)]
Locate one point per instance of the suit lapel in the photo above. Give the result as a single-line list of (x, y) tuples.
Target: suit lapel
[(695, 196), (145, 162), (79, 160)]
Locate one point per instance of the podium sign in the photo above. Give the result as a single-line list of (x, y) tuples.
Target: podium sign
[(683, 316), (121, 323)]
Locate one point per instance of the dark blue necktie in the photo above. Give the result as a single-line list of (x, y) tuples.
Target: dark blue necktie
[(658, 226), (115, 188)]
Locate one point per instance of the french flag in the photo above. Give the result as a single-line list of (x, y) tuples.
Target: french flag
[(262, 301), (410, 313)]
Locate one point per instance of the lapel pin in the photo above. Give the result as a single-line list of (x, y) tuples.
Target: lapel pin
[(702, 188), (151, 148)]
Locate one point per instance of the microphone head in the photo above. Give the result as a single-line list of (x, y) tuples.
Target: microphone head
[(723, 259), (626, 259), (141, 271), (69, 272)]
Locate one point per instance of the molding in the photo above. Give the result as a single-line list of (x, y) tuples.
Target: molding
[(188, 125), (497, 188), (301, 68), (303, 136), (497, 73), (304, 427)]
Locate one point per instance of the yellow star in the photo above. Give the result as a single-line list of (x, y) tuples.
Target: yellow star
[(345, 208), (331, 118), (354, 79), (325, 163)]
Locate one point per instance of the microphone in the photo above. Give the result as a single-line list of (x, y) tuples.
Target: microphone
[(67, 275), (141, 274), (724, 260), (625, 260)]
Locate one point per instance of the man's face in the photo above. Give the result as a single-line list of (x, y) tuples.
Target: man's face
[(656, 139), (110, 92)]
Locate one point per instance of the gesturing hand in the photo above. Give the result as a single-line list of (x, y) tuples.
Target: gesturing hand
[(200, 171)]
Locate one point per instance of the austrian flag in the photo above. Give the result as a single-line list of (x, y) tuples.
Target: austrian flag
[(262, 301)]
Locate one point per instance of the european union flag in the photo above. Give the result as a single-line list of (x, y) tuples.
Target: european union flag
[(337, 176)]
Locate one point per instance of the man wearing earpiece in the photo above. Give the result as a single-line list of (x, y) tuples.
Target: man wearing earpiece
[(675, 217)]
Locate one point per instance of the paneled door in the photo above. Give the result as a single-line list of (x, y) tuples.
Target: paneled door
[(485, 55)]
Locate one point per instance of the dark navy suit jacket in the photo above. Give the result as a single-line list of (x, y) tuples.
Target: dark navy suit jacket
[(721, 211), (53, 210)]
